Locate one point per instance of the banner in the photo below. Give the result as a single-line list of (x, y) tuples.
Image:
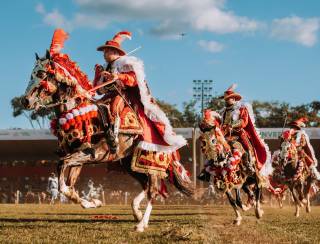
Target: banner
[(45, 134)]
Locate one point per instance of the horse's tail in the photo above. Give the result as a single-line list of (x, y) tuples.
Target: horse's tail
[(179, 176)]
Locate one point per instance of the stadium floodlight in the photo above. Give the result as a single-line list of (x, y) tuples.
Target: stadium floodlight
[(202, 92)]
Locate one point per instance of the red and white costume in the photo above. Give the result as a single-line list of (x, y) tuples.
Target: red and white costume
[(158, 134), (239, 125), (300, 140)]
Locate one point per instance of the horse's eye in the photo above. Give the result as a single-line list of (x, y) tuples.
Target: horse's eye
[(41, 74)]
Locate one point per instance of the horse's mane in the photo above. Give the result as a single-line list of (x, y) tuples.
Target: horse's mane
[(74, 70)]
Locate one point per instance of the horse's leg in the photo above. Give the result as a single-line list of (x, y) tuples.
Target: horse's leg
[(72, 178), (238, 219), (64, 189), (67, 188), (307, 194), (145, 220), (135, 205), (258, 211), (247, 190), (296, 201), (152, 192), (280, 200), (238, 197), (299, 189), (68, 191)]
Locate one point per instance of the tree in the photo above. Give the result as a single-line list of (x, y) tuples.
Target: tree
[(40, 117), (190, 116), (174, 115)]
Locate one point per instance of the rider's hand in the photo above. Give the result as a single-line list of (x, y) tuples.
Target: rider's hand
[(108, 76)]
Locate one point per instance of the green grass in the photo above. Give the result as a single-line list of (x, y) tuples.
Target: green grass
[(168, 224)]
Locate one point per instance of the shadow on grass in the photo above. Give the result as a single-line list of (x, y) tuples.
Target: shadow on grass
[(122, 214), (75, 221), (31, 220)]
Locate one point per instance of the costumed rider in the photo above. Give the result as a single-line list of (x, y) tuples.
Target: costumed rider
[(238, 126), (300, 139), (132, 90)]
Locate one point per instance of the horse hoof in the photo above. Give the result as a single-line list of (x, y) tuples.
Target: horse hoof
[(86, 204), (97, 203), (308, 209), (139, 229), (259, 213), (245, 207), (237, 222)]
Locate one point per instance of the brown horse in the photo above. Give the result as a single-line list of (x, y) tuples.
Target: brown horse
[(291, 172), (229, 170), (54, 86)]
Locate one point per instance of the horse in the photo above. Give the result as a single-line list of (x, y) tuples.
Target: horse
[(229, 170), (59, 85), (291, 172)]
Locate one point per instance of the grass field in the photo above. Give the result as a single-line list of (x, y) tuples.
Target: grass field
[(168, 224)]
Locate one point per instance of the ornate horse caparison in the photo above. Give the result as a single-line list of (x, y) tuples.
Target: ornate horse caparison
[(290, 172), (54, 86), (229, 171)]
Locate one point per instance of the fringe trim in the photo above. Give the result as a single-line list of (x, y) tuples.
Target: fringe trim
[(148, 146), (153, 111)]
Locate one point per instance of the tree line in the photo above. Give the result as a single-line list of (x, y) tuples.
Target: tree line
[(267, 114)]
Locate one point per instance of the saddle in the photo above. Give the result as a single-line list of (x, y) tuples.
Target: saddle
[(129, 121)]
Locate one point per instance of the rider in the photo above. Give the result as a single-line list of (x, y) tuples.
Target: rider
[(132, 90), (240, 131), (301, 141)]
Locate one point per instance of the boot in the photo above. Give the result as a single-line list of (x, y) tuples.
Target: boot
[(248, 163), (111, 140)]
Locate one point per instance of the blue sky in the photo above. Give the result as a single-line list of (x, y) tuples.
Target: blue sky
[(269, 48)]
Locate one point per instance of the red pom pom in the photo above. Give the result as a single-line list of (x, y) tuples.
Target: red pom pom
[(78, 119), (71, 121)]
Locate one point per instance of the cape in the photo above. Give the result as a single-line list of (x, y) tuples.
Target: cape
[(152, 111), (308, 148), (261, 148)]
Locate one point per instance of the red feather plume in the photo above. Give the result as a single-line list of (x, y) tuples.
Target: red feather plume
[(120, 36), (58, 39)]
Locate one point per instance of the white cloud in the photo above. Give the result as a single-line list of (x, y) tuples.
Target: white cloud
[(211, 46), (218, 21), (57, 20), (167, 17), (296, 29)]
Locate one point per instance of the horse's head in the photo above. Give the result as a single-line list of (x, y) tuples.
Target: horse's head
[(55, 78), (42, 85), (213, 143)]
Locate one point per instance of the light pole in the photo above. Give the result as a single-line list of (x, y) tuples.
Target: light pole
[(202, 92)]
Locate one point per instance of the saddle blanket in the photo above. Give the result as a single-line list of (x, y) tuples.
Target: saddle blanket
[(153, 163)]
